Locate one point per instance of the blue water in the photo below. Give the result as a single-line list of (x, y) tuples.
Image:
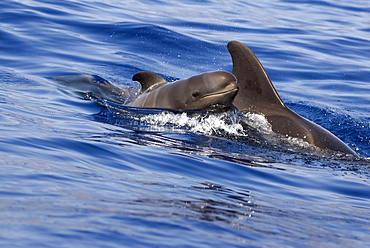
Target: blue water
[(77, 173)]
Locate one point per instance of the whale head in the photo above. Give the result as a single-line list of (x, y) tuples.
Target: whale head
[(199, 92), (217, 88)]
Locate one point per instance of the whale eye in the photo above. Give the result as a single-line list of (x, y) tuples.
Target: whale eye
[(196, 94)]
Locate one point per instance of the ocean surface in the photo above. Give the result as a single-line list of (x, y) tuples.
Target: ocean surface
[(81, 172)]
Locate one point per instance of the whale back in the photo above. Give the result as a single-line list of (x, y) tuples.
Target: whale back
[(254, 84), (258, 95), (149, 81)]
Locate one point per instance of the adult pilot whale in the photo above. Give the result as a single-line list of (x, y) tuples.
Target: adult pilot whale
[(258, 95), (199, 92), (217, 88)]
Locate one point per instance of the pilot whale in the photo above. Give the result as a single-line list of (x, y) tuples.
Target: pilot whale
[(258, 95), (217, 88), (197, 92)]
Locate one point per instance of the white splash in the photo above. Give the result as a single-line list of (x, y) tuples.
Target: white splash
[(232, 123), (258, 122), (209, 124)]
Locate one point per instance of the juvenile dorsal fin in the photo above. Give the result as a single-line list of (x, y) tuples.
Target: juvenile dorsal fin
[(254, 83), (148, 80)]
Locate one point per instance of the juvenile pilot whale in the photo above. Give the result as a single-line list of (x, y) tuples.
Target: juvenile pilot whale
[(197, 92), (258, 95)]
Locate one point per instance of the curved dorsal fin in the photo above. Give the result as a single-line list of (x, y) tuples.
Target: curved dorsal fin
[(148, 80), (254, 83)]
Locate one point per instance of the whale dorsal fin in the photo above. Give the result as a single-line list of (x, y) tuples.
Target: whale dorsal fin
[(148, 80), (255, 86)]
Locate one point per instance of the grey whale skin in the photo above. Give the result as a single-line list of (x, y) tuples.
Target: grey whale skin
[(195, 93), (258, 95), (199, 92)]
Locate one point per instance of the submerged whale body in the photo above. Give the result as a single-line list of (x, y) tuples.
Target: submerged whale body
[(197, 92), (97, 87), (258, 95)]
